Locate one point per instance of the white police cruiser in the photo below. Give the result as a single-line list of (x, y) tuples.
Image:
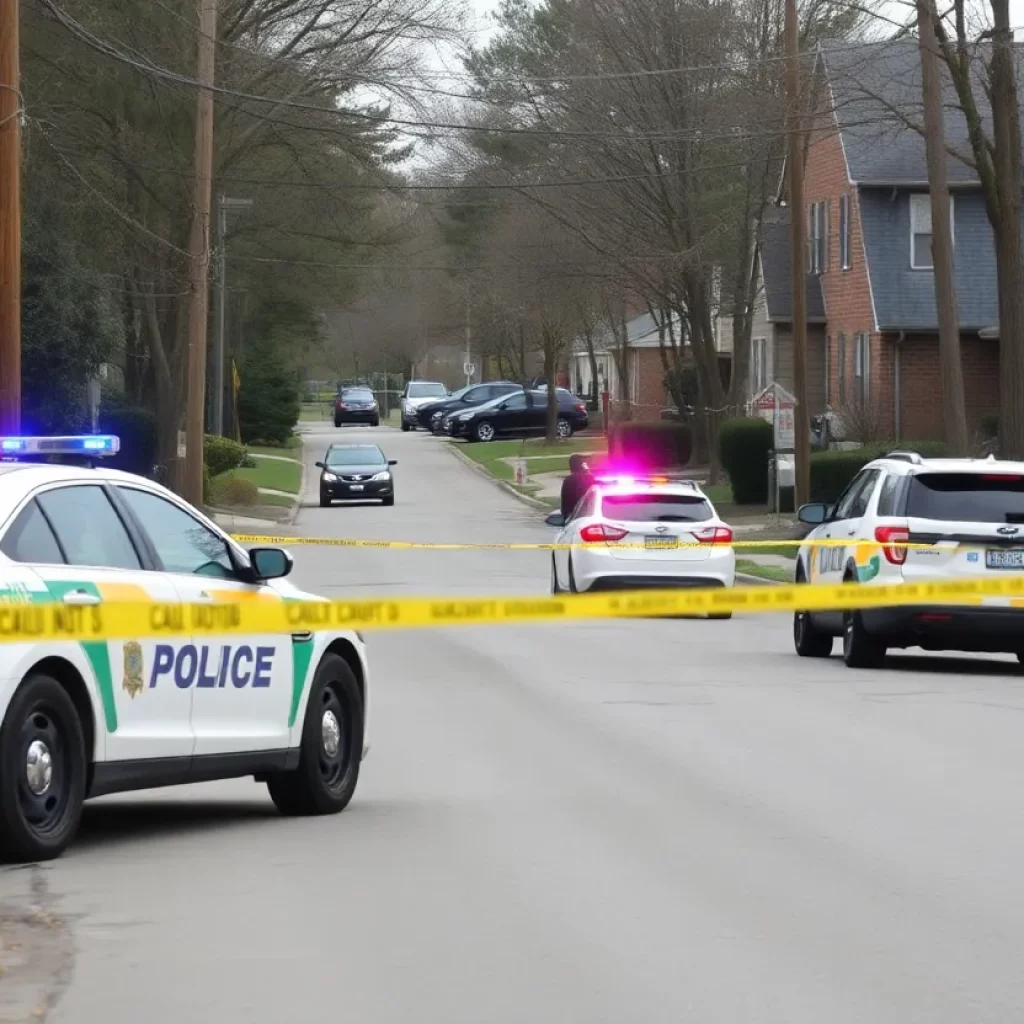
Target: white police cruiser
[(83, 720), (907, 519)]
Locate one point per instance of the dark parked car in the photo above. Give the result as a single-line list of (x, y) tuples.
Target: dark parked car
[(356, 405), (356, 472), (432, 414), (519, 414)]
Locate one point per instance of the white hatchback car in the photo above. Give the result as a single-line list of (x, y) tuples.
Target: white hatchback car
[(79, 720), (650, 532), (907, 519)]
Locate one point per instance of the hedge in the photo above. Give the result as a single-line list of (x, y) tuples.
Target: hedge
[(744, 446), (651, 446), (831, 471), (222, 453)]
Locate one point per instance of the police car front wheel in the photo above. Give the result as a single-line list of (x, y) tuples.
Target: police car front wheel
[(331, 749), (43, 769)]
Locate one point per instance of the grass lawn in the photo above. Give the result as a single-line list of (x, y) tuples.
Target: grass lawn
[(775, 573), (720, 494), (277, 453), (786, 550), (314, 411), (552, 458), (272, 473)]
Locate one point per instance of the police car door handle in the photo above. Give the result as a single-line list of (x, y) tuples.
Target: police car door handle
[(80, 597)]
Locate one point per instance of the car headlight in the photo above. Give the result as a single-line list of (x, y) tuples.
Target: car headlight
[(385, 475), (330, 478), (465, 417)]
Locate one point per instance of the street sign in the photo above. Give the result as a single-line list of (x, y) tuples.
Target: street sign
[(469, 369)]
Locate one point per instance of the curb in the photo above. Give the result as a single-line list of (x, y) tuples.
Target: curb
[(290, 521), (480, 471)]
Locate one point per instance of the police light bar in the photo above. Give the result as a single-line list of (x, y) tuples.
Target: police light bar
[(93, 445), (628, 479)]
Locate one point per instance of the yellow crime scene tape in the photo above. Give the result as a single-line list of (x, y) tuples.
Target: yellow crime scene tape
[(409, 545), (20, 623)]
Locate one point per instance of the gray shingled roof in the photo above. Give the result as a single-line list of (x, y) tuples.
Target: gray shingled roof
[(876, 89), (773, 246)]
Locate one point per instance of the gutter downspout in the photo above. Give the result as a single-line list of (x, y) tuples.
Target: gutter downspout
[(898, 385)]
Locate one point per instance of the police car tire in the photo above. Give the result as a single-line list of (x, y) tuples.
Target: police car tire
[(19, 841), (572, 579), (860, 648), (305, 791), (555, 588)]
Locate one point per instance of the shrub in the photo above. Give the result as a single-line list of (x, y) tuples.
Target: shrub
[(233, 490), (744, 446), (268, 400), (831, 471), (221, 454), (137, 429), (650, 446), (990, 425)]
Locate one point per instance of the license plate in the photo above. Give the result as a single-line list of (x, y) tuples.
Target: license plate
[(1003, 559), (355, 487), (661, 543)]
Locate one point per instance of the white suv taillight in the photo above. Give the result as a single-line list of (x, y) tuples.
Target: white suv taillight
[(892, 537), (714, 535), (598, 533)]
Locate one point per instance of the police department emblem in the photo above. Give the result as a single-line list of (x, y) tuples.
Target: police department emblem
[(132, 684)]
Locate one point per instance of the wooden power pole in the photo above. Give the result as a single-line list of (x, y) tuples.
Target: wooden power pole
[(10, 220), (954, 414), (798, 247), (199, 258)]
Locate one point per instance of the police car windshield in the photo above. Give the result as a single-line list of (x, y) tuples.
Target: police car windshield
[(357, 455), (967, 497), (655, 508)]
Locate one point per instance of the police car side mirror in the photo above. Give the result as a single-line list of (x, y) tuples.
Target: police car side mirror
[(270, 563), (555, 519), (814, 514)]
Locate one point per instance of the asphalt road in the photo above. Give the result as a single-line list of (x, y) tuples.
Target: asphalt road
[(654, 822)]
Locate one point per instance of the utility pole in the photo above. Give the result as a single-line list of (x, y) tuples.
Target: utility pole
[(10, 220), (223, 205), (199, 257), (798, 248), (954, 412), (469, 343)]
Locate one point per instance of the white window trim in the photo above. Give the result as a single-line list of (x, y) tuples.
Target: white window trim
[(862, 365), (919, 201), (759, 360), (845, 256)]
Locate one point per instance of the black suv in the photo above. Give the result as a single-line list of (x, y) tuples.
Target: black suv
[(433, 414)]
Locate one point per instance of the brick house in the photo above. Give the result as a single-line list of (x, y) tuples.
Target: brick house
[(869, 247), (771, 334), (640, 393)]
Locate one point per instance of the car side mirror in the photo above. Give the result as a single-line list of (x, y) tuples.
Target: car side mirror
[(555, 519), (270, 563), (814, 514), (320, 465), (392, 462)]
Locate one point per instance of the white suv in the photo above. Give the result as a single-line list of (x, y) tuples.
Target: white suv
[(962, 518)]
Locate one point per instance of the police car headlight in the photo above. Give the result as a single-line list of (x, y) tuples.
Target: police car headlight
[(381, 476), (330, 478)]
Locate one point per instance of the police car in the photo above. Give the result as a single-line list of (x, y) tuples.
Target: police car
[(907, 519), (79, 720), (631, 531)]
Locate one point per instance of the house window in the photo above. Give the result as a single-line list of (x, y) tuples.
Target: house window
[(921, 230), (844, 232), (841, 368), (817, 242), (862, 367), (759, 364)]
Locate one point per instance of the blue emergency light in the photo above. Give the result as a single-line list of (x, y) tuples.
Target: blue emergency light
[(94, 446)]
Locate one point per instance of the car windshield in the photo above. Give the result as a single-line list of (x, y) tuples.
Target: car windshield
[(358, 394), (967, 497), (456, 394), (357, 455), (656, 508), (426, 389)]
